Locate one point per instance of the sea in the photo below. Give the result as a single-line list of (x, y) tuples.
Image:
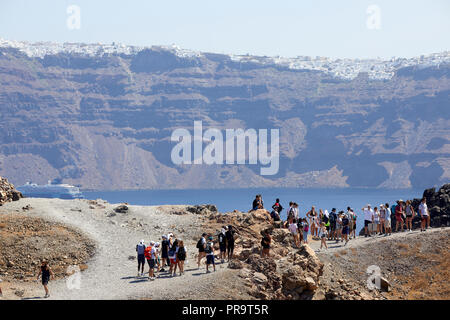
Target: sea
[(228, 200)]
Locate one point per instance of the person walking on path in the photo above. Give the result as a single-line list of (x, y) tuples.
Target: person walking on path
[(46, 272), (181, 256), (265, 244), (424, 215), (150, 255), (164, 253), (140, 249), (368, 220), (293, 228), (345, 227), (209, 249), (323, 236), (388, 220), (410, 214), (399, 215), (201, 244), (230, 242), (223, 243)]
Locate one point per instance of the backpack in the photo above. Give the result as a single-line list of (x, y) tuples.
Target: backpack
[(291, 213), (140, 248), (332, 218), (147, 253), (306, 228), (325, 219), (200, 243), (181, 253), (208, 248)]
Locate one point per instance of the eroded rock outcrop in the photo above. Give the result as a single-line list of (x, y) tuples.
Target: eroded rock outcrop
[(8, 192)]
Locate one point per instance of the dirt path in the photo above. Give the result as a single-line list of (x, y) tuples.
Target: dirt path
[(111, 274)]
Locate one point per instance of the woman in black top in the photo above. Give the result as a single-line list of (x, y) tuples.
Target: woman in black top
[(230, 242), (265, 243), (181, 256), (46, 273)]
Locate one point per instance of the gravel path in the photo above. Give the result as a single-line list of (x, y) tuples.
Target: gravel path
[(111, 274)]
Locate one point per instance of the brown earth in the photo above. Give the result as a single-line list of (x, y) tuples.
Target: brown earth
[(27, 240)]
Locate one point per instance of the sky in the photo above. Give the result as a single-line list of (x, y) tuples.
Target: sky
[(328, 28)]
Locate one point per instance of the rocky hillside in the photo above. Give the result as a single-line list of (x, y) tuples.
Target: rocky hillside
[(104, 120), (8, 192)]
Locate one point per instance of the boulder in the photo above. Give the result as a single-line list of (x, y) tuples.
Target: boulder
[(121, 209)]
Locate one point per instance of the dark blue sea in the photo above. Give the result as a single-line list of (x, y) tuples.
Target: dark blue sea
[(241, 199)]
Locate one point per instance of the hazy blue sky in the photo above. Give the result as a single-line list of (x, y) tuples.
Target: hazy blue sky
[(262, 27)]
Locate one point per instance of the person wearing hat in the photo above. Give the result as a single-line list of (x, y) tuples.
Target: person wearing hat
[(399, 213), (140, 250), (368, 220), (164, 252), (209, 250)]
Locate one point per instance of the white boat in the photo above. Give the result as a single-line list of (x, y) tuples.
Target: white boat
[(50, 190)]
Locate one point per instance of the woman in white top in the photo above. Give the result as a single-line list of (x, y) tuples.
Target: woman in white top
[(376, 220), (294, 231)]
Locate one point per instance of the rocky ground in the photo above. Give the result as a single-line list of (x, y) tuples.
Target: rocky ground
[(100, 238)]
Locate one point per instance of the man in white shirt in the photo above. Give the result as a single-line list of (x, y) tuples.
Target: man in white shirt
[(423, 211), (368, 220)]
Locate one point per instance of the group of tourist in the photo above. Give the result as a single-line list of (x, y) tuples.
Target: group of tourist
[(170, 253), (341, 226), (403, 212)]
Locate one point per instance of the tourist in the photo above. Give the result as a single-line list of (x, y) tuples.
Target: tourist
[(201, 249), (181, 256), (349, 215), (388, 220), (261, 202), (164, 252), (173, 258), (376, 220), (305, 230), (410, 213), (223, 243), (311, 214), (265, 244), (382, 219), (339, 227), (323, 236), (257, 203), (157, 256), (209, 249), (368, 220), (333, 219), (277, 207), (424, 215), (294, 231), (46, 272), (290, 214), (150, 255), (345, 227), (326, 220), (399, 214), (230, 242), (140, 249)]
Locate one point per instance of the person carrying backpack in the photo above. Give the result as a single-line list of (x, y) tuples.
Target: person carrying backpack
[(150, 255), (140, 249), (222, 243), (164, 253), (333, 219), (201, 249), (209, 250), (173, 258)]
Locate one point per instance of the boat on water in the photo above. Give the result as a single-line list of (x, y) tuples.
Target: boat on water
[(53, 189)]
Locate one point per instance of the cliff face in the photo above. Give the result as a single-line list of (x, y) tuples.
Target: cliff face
[(104, 121)]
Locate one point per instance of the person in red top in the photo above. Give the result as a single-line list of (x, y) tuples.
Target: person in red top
[(399, 212)]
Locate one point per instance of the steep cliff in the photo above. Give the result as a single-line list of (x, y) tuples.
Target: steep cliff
[(104, 120)]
